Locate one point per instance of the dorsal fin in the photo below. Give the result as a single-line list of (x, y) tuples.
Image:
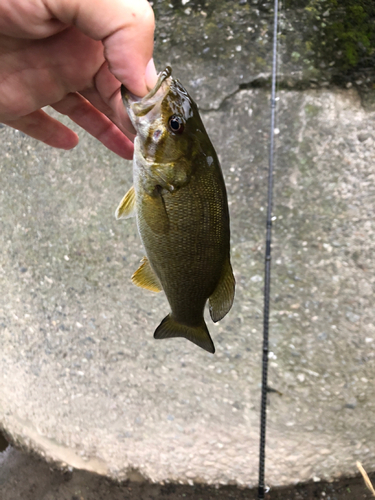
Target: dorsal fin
[(145, 277), (222, 298), (127, 205)]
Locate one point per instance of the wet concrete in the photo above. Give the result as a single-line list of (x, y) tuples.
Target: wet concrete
[(219, 47), (83, 382)]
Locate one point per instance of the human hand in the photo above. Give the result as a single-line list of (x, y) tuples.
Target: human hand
[(51, 53)]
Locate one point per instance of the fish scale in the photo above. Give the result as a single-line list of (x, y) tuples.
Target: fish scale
[(192, 255)]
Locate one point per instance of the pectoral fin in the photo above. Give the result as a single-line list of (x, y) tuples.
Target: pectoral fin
[(126, 208), (154, 213), (145, 277), (199, 335), (221, 300)]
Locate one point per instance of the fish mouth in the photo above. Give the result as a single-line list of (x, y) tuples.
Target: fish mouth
[(140, 106)]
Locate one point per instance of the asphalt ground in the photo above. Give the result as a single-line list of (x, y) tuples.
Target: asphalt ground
[(26, 477)]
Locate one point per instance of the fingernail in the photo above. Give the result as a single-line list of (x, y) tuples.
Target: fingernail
[(151, 75)]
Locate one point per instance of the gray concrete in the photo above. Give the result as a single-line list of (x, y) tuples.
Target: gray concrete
[(83, 382)]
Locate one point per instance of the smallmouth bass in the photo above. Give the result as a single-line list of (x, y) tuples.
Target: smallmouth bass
[(180, 203)]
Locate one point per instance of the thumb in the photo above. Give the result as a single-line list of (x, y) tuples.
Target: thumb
[(126, 29)]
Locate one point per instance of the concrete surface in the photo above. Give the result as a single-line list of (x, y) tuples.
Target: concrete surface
[(83, 382)]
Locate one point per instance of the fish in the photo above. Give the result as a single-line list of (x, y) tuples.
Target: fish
[(180, 203)]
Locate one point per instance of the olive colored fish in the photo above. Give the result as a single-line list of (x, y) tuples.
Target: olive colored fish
[(180, 202)]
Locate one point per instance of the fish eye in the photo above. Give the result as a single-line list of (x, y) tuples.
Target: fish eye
[(176, 124)]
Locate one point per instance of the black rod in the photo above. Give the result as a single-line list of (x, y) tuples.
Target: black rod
[(267, 270)]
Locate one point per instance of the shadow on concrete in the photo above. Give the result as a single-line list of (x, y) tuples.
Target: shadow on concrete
[(24, 477), (3, 443)]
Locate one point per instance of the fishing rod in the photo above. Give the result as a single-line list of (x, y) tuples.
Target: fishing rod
[(267, 270)]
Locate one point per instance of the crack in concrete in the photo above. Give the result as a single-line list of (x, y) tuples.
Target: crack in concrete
[(263, 80), (285, 82)]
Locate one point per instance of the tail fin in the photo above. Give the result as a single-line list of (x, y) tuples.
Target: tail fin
[(199, 335)]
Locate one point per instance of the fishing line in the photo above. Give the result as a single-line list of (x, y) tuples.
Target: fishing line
[(267, 270)]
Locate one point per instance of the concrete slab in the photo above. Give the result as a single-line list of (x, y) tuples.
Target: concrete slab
[(84, 383)]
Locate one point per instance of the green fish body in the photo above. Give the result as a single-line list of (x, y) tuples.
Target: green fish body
[(180, 203)]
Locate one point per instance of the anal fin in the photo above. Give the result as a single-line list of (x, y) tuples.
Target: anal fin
[(145, 277), (199, 335), (221, 300), (126, 208)]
